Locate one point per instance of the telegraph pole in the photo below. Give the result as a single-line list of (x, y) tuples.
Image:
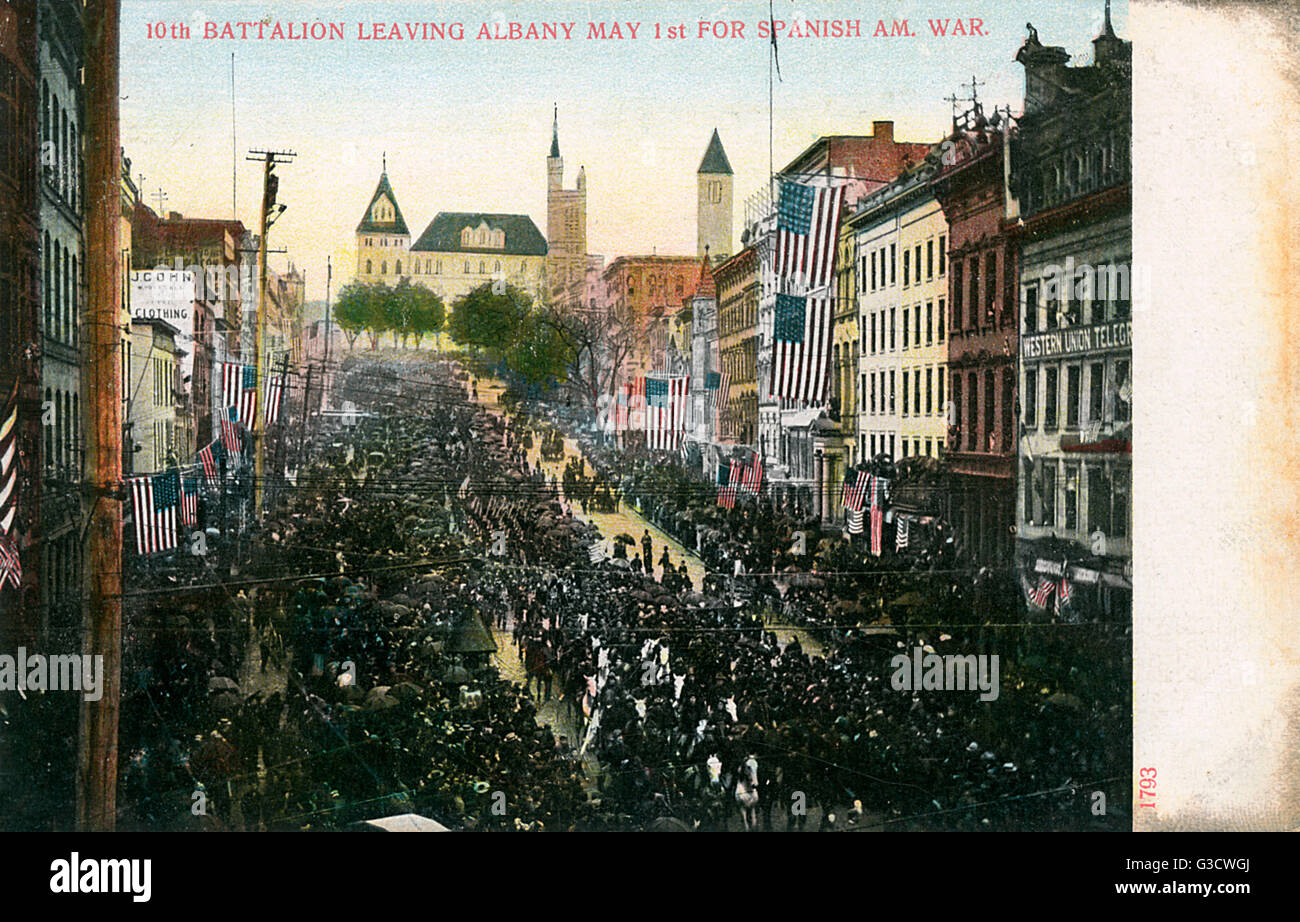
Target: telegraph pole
[(96, 781), (326, 377), (270, 186)]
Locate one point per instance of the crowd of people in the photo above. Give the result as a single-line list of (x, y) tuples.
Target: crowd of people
[(422, 543)]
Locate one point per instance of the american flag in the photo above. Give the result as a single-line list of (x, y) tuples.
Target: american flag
[(901, 531), (728, 476), (800, 346), (211, 459), (807, 231), (752, 478), (11, 565), (1045, 588), (717, 388), (189, 501), (9, 463), (621, 407), (274, 397), (230, 434), (239, 391), (665, 416), (853, 520), (1064, 592), (855, 491), (879, 494), (156, 503)]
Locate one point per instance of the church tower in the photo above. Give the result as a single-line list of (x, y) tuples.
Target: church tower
[(383, 240), (566, 222), (713, 198)]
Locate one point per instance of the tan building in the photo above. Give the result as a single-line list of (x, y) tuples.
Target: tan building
[(566, 222), (713, 214), (738, 289)]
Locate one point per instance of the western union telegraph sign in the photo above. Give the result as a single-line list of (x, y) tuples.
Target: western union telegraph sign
[(1100, 337)]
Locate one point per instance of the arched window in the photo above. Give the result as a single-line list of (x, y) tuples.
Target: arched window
[(482, 267), (49, 431), (76, 427), (397, 268), (467, 267), (369, 267), (383, 267), (497, 267), (49, 312)]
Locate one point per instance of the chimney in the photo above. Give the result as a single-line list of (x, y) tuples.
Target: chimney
[(173, 216), (882, 131)]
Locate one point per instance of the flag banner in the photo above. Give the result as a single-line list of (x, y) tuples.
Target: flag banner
[(274, 397), (665, 415), (232, 379), (1039, 596), (855, 491), (234, 446), (239, 391), (248, 398), (853, 521), (1064, 591), (189, 501), (752, 478), (800, 346), (879, 496), (726, 492), (9, 463), (155, 502), (211, 458), (597, 553), (807, 231), (901, 530), (11, 565)]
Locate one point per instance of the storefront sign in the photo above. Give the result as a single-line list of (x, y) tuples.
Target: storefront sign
[(1100, 337)]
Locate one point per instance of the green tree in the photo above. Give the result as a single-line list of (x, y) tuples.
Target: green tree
[(490, 319), (427, 313), (351, 310)]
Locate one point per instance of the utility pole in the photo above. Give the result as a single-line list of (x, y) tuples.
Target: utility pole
[(329, 336), (302, 436), (270, 186), (96, 781)]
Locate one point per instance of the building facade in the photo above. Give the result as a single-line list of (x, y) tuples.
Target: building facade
[(901, 244), (738, 286), (639, 292), (982, 214), (1071, 166), (566, 222)]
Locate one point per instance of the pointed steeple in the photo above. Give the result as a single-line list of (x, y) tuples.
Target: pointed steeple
[(705, 288), (369, 223), (555, 133), (715, 158), (1107, 29)]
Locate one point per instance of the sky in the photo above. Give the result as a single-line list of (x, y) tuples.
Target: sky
[(466, 125)]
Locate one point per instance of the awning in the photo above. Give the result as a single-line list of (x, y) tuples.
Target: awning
[(799, 419)]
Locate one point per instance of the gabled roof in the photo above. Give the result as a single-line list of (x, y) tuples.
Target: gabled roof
[(715, 158), (396, 226), (443, 234)]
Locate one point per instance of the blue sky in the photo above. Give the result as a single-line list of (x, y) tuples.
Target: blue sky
[(466, 125)]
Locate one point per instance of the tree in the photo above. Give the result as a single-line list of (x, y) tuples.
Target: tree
[(352, 310), (537, 354), (426, 313), (488, 319), (597, 342)]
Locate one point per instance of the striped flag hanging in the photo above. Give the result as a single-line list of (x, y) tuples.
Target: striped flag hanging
[(9, 462), (879, 495), (752, 478), (1064, 591), (11, 564), (234, 446), (274, 397), (853, 521), (807, 231), (1040, 595), (211, 459), (189, 501), (800, 346), (900, 532), (728, 478), (239, 391), (855, 491), (156, 503), (665, 411)]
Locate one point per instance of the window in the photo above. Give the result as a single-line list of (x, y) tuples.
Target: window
[(1096, 388), (1030, 398), (917, 338), (988, 411), (397, 269), (943, 316), (906, 265), (973, 419), (1049, 495), (1030, 308), (973, 292), (929, 271), (916, 390), (1098, 499), (939, 404), (1123, 391), (873, 271), (1073, 387), (956, 416), (383, 267), (904, 446), (1050, 396), (1008, 409), (929, 393), (929, 322), (929, 447), (943, 255), (957, 289), (916, 263), (873, 444), (990, 285), (873, 390), (873, 333), (1071, 497), (1027, 478), (1051, 299), (906, 327), (369, 267), (893, 329), (1120, 502), (891, 393), (905, 391), (893, 265)]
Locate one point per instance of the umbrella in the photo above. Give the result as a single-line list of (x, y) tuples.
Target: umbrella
[(455, 675), (222, 684)]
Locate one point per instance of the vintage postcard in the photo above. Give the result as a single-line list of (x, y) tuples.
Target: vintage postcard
[(719, 416)]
